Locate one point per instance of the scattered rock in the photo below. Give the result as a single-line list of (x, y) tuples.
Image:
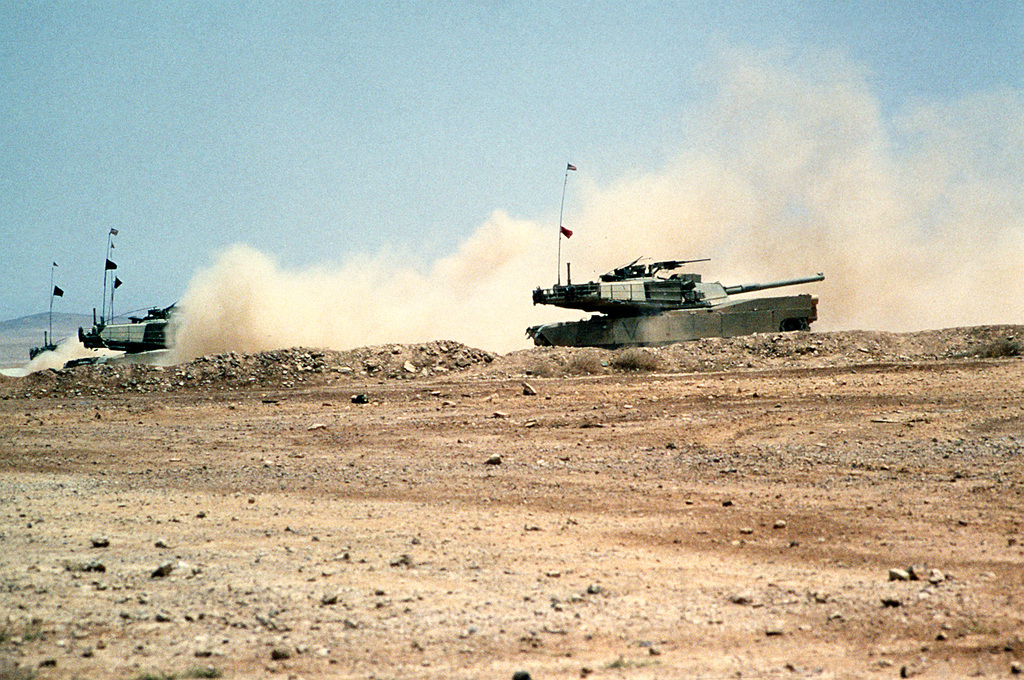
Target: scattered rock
[(529, 390), (404, 560), (493, 460), (280, 653), (741, 598), (164, 569), (100, 542), (899, 575), (917, 572), (360, 399)]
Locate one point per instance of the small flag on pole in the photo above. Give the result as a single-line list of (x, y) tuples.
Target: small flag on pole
[(570, 166), (113, 232), (110, 265), (565, 232), (58, 291), (54, 264), (117, 283)]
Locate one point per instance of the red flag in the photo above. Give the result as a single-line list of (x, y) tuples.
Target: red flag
[(565, 232), (570, 166)]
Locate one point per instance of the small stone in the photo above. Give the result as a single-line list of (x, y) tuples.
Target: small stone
[(1016, 667), (163, 570), (529, 390), (779, 524), (741, 599), (774, 630), (360, 399), (935, 577), (280, 653), (317, 426), (917, 572), (329, 599), (521, 675), (890, 601), (899, 575), (160, 543), (493, 460), (404, 560), (100, 542)]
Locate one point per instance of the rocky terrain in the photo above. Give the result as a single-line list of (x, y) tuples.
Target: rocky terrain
[(825, 505)]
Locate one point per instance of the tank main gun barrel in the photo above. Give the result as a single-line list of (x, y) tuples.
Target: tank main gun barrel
[(751, 287)]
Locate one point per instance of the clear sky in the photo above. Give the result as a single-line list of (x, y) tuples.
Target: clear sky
[(316, 133)]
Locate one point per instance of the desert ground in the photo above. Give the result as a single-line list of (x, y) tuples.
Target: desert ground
[(820, 505)]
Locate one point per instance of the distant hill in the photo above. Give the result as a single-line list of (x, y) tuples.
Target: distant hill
[(17, 336)]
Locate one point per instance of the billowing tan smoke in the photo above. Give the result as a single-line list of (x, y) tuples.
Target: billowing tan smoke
[(789, 168), (480, 295)]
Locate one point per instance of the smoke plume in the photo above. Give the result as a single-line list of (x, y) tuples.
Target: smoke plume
[(790, 166)]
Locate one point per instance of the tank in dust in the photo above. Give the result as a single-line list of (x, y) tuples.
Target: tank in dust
[(637, 305), (140, 334)]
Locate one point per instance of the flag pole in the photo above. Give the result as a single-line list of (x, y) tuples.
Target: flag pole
[(106, 268), (45, 341), (106, 259), (561, 229)]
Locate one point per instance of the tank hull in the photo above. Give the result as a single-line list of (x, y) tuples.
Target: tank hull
[(140, 335), (730, 319)]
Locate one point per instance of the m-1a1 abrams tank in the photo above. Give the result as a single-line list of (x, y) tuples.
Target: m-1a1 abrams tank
[(140, 334), (638, 305)]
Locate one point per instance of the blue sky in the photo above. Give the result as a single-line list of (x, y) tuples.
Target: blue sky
[(318, 134)]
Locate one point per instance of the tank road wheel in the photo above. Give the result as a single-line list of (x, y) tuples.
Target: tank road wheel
[(798, 324)]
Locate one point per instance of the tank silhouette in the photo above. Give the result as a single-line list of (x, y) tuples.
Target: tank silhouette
[(140, 334), (637, 305)]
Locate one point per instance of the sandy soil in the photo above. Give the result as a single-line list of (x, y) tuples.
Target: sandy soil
[(824, 514)]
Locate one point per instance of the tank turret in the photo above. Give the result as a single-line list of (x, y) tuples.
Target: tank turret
[(644, 304)]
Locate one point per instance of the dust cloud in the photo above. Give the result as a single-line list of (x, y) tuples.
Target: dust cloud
[(67, 350), (789, 166)]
